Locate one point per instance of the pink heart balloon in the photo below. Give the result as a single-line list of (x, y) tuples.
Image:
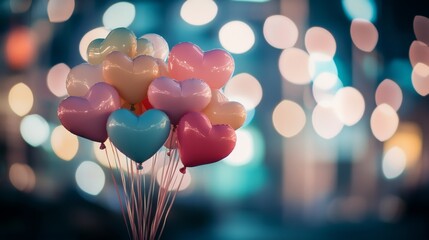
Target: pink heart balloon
[(187, 60), (177, 98), (201, 143), (87, 116)]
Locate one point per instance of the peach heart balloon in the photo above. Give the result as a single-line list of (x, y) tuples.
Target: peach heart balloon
[(187, 60), (119, 39), (221, 111), (82, 77), (130, 77)]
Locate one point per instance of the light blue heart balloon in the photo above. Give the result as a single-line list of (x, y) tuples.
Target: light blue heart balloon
[(138, 137)]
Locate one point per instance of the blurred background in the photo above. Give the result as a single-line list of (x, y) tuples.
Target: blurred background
[(334, 147)]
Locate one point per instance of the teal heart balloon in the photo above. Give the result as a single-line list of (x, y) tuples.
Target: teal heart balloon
[(138, 137)]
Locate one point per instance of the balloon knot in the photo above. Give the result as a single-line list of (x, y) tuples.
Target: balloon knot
[(183, 170), (132, 108), (169, 153), (102, 146), (139, 166)]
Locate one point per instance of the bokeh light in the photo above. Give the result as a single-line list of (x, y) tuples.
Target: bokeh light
[(394, 162), (384, 122), (64, 143), (20, 47), (421, 26), (280, 31), (90, 177), (198, 12), (288, 118), (365, 9), (20, 99), (325, 85), (120, 14), (22, 177), (319, 40), (294, 66), (390, 93), (93, 34), (349, 105), (19, 6), (321, 63), (409, 138), (174, 185), (104, 160), (34, 129), (245, 89), (244, 149), (326, 122), (56, 79), (364, 34), (236, 37), (419, 53), (420, 79), (60, 10)]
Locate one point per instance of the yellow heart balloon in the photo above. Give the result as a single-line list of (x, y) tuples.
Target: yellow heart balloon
[(131, 77), (221, 111), (119, 39)]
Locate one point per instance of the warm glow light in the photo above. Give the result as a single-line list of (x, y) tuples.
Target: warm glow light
[(64, 143), (421, 26), (20, 48), (349, 105), (280, 31), (236, 37), (326, 122), (60, 10), (419, 53), (420, 79), (245, 89), (390, 93), (409, 138), (244, 149), (364, 34), (93, 34), (321, 63), (394, 162), (22, 177), (288, 118), (384, 122), (174, 184), (325, 85), (90, 177), (34, 130), (20, 99), (56, 79), (365, 9), (294, 66), (319, 40), (198, 12), (120, 14)]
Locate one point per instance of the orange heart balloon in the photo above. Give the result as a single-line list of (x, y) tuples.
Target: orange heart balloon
[(221, 111), (131, 77)]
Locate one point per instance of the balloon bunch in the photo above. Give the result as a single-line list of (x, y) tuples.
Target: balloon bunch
[(128, 93)]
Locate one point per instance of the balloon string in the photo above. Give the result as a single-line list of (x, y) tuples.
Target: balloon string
[(117, 192)]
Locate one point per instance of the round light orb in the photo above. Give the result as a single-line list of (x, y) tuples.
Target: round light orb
[(90, 177), (236, 37), (280, 31), (245, 89), (198, 12), (118, 15), (294, 66), (288, 118)]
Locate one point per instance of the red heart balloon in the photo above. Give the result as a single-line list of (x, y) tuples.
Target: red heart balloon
[(87, 116), (187, 60), (201, 143)]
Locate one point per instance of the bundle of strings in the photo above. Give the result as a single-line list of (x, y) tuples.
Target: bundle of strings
[(145, 205)]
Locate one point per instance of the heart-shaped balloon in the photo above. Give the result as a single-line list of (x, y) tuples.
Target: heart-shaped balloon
[(177, 98), (82, 77), (119, 39), (160, 46), (144, 47), (221, 111), (138, 137), (131, 77), (87, 116), (187, 60), (201, 143)]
